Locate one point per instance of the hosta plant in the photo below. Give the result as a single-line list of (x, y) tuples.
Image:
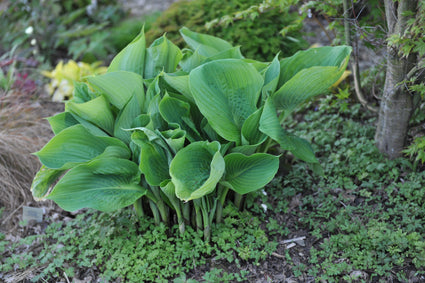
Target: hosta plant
[(173, 131)]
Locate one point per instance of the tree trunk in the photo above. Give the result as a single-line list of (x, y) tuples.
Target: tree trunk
[(396, 104)]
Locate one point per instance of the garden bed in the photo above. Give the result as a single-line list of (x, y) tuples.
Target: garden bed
[(362, 220)]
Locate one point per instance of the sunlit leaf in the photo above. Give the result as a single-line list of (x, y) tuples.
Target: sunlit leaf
[(132, 57), (226, 92), (205, 45), (74, 145), (61, 121), (118, 87), (96, 111), (196, 170), (162, 55)]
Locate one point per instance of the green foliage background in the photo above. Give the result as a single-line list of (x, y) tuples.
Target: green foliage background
[(259, 36)]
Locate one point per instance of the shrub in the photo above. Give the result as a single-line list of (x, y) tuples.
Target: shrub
[(258, 37), (170, 130)]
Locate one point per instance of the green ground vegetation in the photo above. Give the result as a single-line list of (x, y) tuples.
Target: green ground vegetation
[(365, 214)]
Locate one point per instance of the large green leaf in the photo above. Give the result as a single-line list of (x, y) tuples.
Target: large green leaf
[(43, 180), (126, 118), (205, 45), (93, 129), (118, 87), (153, 163), (97, 111), (270, 125), (162, 55), (153, 90), (132, 57), (61, 121), (196, 170), (250, 130), (191, 60), (232, 53), (105, 184), (322, 56), (302, 149), (309, 73), (271, 78), (179, 83), (245, 174), (75, 145), (174, 110), (226, 92), (304, 85)]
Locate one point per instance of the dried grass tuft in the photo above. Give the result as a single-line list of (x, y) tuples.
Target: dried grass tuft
[(22, 132)]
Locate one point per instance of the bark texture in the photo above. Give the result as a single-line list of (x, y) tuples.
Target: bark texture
[(396, 104)]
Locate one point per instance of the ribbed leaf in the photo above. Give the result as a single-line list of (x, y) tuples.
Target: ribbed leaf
[(75, 145), (179, 83), (132, 57), (271, 78), (231, 53), (174, 110), (126, 118), (162, 55), (96, 111), (226, 92), (175, 138), (105, 184), (196, 170), (322, 56), (302, 149), (153, 163), (191, 60), (309, 73), (269, 124), (205, 45), (250, 129), (61, 121), (43, 180), (304, 85), (93, 129), (118, 87), (246, 174)]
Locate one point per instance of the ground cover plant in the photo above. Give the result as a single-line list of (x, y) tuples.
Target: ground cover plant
[(367, 214), (195, 132), (362, 222)]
